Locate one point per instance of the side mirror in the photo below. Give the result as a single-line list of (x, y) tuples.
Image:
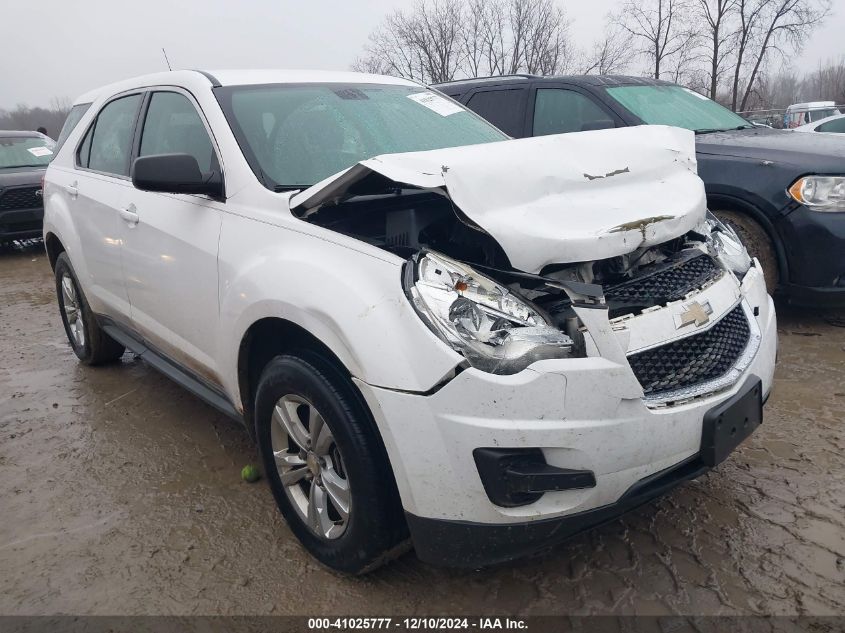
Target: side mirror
[(598, 124), (174, 173)]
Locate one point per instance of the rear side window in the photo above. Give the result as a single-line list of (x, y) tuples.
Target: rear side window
[(557, 111), (73, 117), (837, 125), (503, 108), (173, 126), (108, 144)]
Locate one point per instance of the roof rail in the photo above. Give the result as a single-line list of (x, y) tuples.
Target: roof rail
[(214, 82), (493, 77)]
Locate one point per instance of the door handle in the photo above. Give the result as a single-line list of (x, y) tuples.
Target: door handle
[(129, 214), (72, 191)]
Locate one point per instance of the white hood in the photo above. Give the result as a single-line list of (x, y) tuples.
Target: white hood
[(554, 199)]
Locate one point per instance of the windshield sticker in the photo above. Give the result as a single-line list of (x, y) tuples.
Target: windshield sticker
[(40, 151), (436, 103)]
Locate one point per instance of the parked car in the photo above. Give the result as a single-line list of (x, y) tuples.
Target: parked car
[(486, 347), (831, 125), (799, 114), (783, 193), (24, 157)]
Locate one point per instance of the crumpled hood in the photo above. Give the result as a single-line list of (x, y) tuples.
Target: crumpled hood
[(553, 199)]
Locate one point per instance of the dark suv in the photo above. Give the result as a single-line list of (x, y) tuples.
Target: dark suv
[(783, 192), (24, 157)]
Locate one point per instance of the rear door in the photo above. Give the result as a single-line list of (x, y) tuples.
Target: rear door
[(170, 240), (94, 192)]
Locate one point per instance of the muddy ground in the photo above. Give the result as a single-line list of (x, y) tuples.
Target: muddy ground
[(120, 493)]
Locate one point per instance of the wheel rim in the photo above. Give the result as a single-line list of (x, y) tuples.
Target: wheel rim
[(310, 466), (72, 307)]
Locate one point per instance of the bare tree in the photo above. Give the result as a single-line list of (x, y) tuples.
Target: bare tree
[(424, 44), (766, 27), (441, 39), (661, 27), (717, 15), (610, 55)]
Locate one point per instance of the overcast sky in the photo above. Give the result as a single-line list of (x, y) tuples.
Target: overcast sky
[(65, 47)]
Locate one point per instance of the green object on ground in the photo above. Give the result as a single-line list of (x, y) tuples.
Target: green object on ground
[(250, 473)]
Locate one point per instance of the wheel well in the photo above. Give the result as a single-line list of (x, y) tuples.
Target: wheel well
[(725, 203), (263, 341), (54, 249)]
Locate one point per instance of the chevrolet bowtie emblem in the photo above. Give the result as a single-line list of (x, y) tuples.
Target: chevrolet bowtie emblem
[(695, 312)]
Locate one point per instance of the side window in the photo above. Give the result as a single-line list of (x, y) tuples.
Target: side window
[(111, 143), (503, 108), (557, 111), (83, 154), (73, 117), (837, 125), (173, 126)]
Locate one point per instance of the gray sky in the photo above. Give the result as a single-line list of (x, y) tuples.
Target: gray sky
[(66, 47)]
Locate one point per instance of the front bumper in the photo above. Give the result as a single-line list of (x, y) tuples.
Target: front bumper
[(815, 247), (583, 414), (19, 224)]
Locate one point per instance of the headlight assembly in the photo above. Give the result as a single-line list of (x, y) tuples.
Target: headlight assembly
[(820, 193), (728, 247), (495, 330)]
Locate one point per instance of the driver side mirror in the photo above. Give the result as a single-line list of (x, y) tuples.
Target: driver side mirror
[(175, 173)]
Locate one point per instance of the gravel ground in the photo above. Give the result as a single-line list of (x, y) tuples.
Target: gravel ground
[(121, 494)]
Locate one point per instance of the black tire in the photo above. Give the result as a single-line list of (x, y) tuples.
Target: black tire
[(374, 531), (757, 241), (94, 346)]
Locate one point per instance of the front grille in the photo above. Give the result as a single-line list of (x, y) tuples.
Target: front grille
[(659, 288), (20, 198), (694, 359)]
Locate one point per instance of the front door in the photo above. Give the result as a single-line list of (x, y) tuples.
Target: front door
[(170, 242)]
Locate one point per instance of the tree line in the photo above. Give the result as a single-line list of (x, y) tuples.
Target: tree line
[(23, 117), (725, 49)]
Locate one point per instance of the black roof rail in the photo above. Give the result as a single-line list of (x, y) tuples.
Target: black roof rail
[(214, 81), (490, 78)]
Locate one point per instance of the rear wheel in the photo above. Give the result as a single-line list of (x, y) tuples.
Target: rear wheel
[(326, 466), (756, 240), (89, 342)]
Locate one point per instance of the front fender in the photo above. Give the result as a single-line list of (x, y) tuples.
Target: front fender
[(351, 301)]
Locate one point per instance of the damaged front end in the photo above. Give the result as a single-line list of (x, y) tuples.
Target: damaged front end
[(559, 264)]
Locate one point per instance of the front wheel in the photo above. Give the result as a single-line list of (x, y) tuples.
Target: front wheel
[(325, 464)]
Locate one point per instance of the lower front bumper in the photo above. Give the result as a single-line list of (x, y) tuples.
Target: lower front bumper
[(21, 224), (833, 297), (470, 545)]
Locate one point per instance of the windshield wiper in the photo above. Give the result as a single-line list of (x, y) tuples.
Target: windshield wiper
[(281, 188), (746, 126)]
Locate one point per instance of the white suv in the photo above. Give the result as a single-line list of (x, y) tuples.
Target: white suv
[(436, 335)]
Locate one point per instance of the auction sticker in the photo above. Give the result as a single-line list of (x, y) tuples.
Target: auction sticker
[(40, 151), (434, 102)]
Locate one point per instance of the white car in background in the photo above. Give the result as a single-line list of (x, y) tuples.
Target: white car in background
[(799, 114), (830, 125), (435, 334)]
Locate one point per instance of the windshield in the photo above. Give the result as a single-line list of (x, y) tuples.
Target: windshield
[(296, 135), (674, 105), (25, 151)]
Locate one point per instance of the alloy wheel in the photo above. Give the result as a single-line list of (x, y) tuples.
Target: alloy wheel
[(310, 466), (72, 307)]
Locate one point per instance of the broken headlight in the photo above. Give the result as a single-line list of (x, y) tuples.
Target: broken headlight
[(495, 330), (728, 248)]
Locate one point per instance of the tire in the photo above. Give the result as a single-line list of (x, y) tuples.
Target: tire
[(757, 241), (89, 342), (344, 469)]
